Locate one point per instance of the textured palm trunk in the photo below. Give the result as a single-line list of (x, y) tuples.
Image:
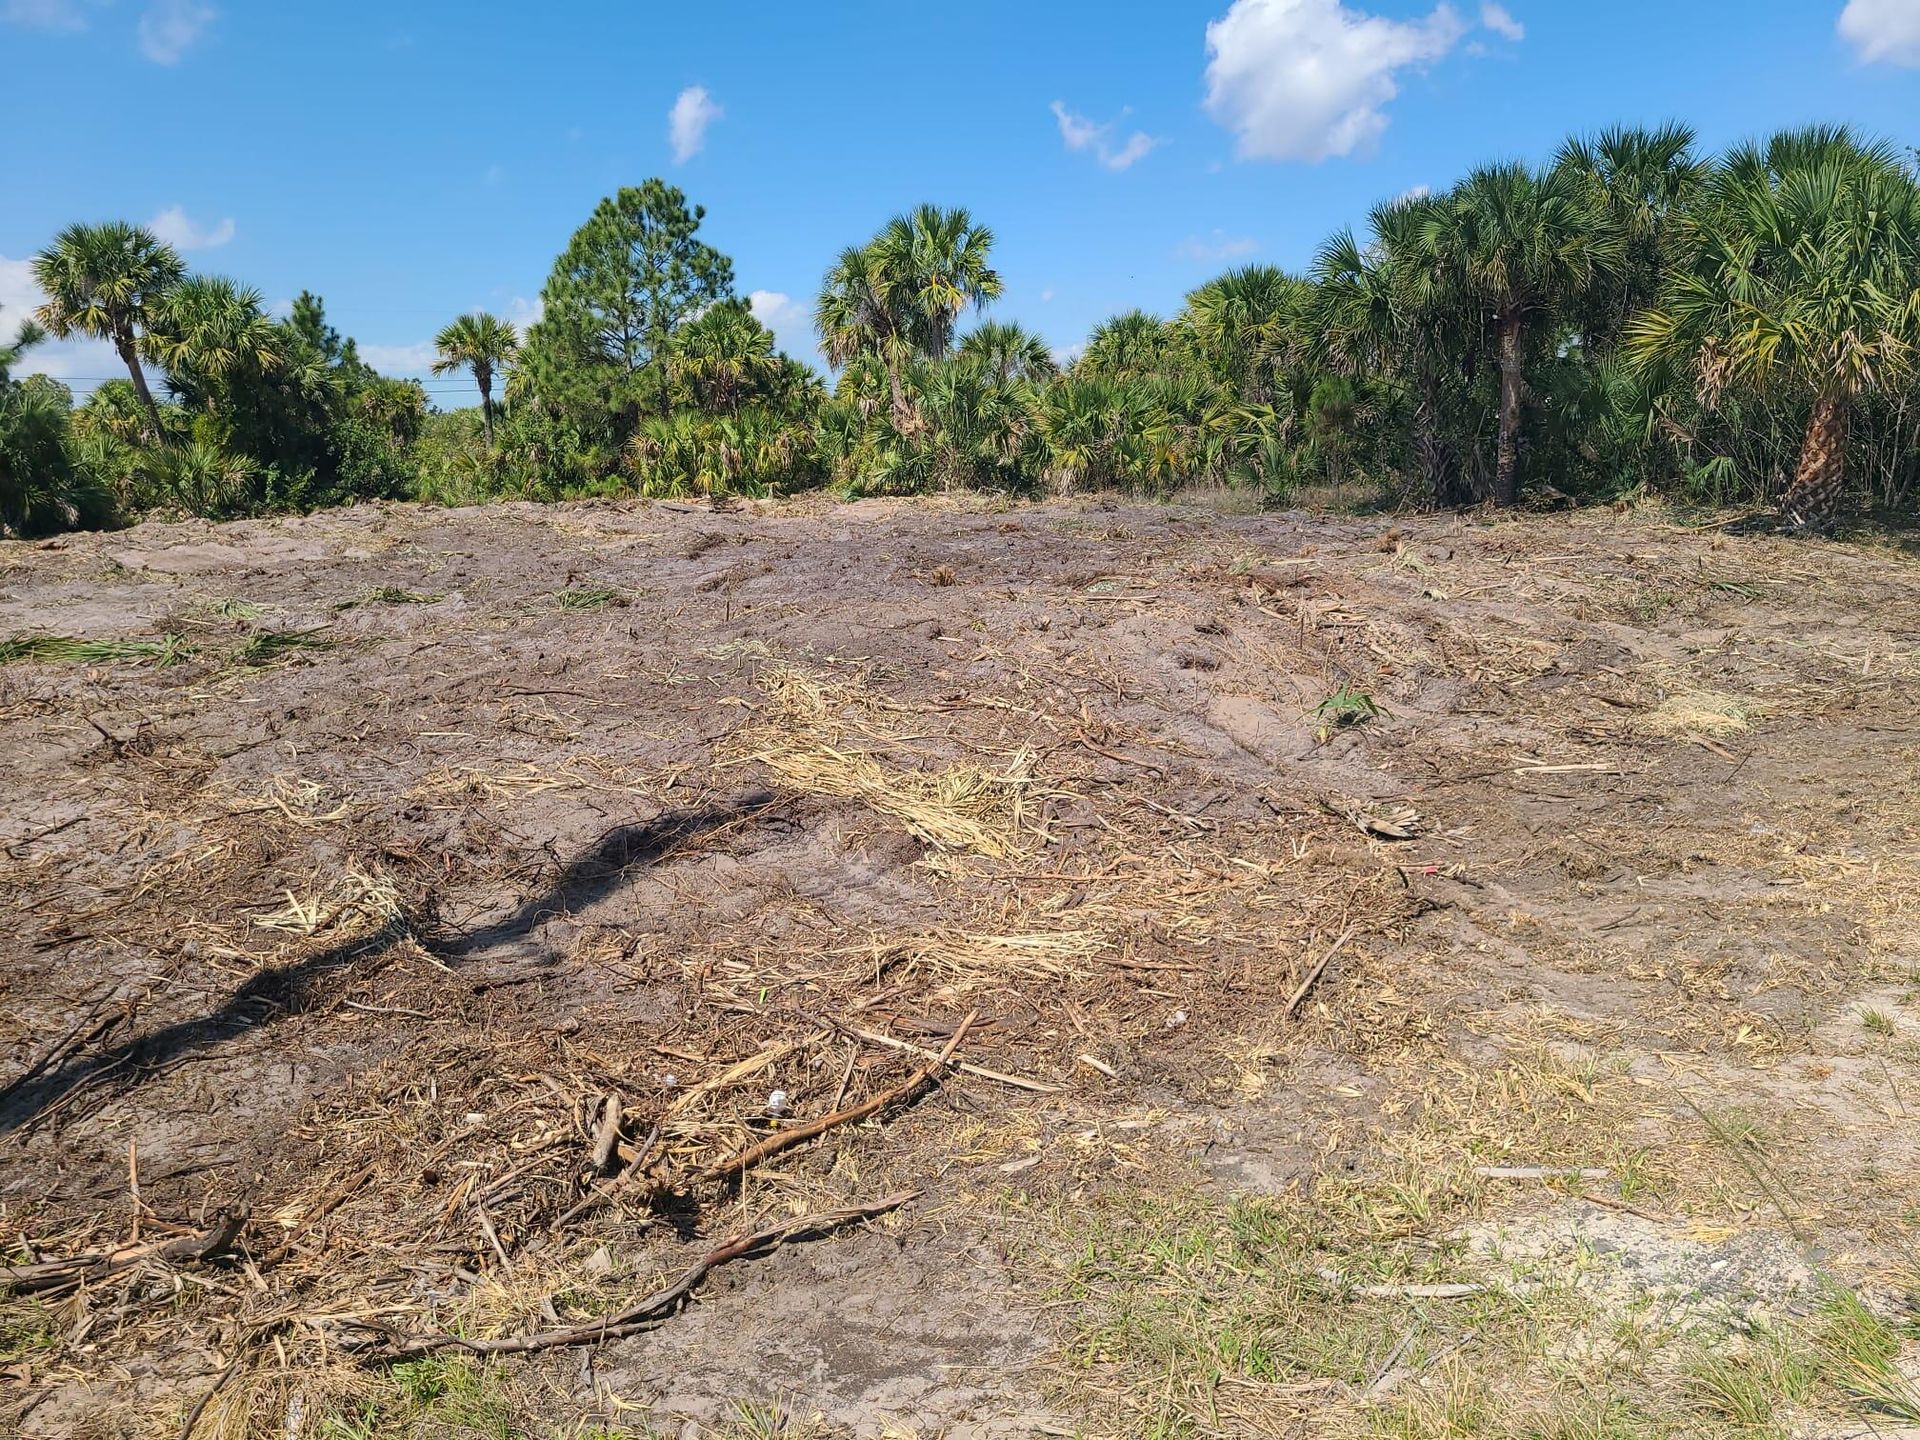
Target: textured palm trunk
[(1430, 450), (123, 342), (903, 416), (486, 407), (1820, 477), (1506, 456)]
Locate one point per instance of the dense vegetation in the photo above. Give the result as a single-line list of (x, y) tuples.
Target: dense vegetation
[(1631, 318)]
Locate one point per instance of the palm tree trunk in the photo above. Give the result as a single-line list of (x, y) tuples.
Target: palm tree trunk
[(902, 411), (486, 410), (123, 342), (1506, 455), (1429, 448), (1820, 477)]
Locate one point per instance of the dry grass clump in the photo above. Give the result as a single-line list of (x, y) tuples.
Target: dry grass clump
[(368, 900), (1006, 959), (1696, 712), (805, 737)]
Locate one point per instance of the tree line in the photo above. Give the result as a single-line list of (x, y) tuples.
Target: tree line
[(1632, 317)]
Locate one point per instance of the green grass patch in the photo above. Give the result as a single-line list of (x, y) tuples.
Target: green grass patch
[(447, 1396), (1388, 1305), (167, 650), (263, 647), (26, 1330), (393, 595), (590, 598)]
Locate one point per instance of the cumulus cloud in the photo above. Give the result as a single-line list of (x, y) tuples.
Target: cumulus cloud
[(45, 14), (788, 318), (693, 111), (1311, 79), (404, 361), (524, 314), (1216, 247), (170, 28), (1413, 192), (173, 226), (1499, 19), (1080, 133), (1883, 30)]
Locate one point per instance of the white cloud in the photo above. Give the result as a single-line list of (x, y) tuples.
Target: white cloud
[(401, 360), (1310, 79), (788, 318), (524, 314), (1880, 30), (45, 14), (173, 226), (75, 360), (693, 111), (1216, 247), (1499, 19), (1080, 133), (1413, 192), (170, 28), (1046, 296)]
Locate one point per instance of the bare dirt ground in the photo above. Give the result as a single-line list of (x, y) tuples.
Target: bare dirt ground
[(1444, 978)]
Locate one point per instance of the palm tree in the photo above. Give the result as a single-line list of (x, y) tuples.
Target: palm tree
[(207, 333), (1516, 243), (724, 359), (1802, 280), (480, 344), (24, 339), (1009, 352), (1131, 344), (901, 295), (1245, 324), (106, 281), (1383, 308), (1642, 181), (936, 261)]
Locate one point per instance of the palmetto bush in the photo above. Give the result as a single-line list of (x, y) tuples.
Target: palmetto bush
[(755, 453)]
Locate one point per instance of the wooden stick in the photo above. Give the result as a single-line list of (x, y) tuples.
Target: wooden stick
[(609, 1133), (66, 1274), (893, 1043), (200, 1405), (786, 1139), (602, 1192), (1319, 967), (648, 1312)]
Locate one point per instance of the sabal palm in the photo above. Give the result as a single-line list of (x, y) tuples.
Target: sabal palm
[(861, 312), (935, 261), (207, 333), (1802, 280), (107, 281), (724, 358), (901, 294), (24, 339), (1007, 351), (1131, 344), (1246, 325), (1384, 308), (1642, 181), (482, 345), (1515, 243)]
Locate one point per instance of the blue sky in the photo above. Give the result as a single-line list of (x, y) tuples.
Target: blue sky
[(412, 161)]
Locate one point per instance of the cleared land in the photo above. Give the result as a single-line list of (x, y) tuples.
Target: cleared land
[(1451, 978)]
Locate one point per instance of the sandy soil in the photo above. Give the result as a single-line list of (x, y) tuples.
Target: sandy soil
[(434, 828)]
